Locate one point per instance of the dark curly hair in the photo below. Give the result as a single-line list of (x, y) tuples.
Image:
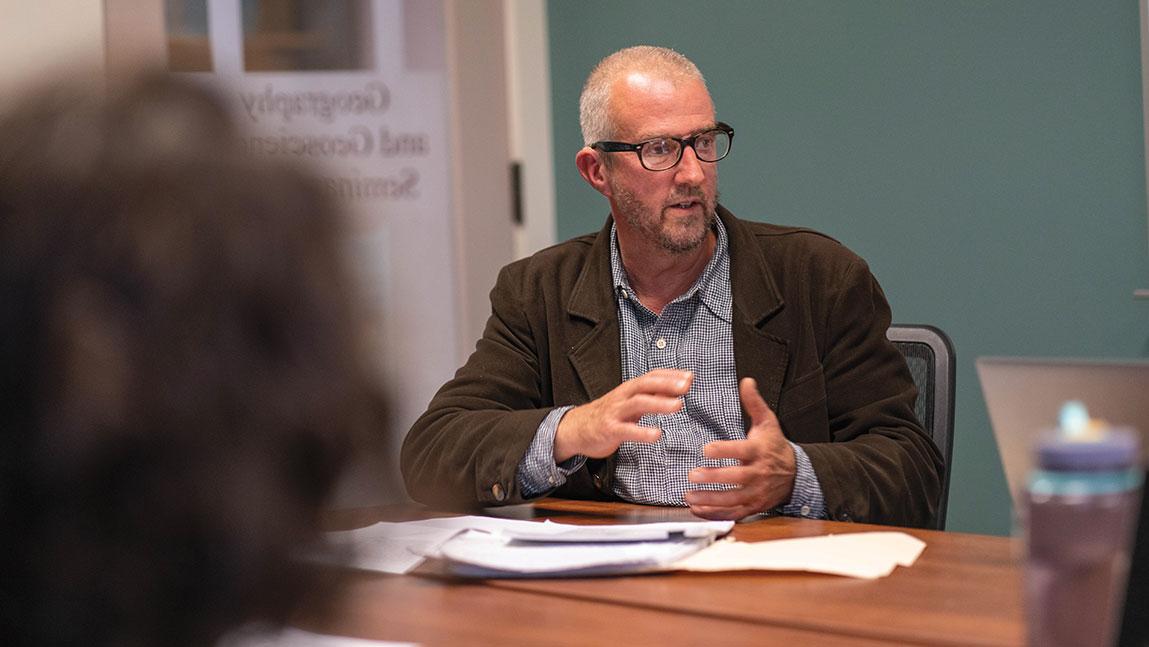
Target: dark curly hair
[(180, 377)]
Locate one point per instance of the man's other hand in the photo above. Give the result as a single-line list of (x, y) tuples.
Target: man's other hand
[(597, 428), (763, 479)]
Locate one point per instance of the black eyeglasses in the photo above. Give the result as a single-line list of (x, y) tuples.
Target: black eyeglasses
[(664, 153)]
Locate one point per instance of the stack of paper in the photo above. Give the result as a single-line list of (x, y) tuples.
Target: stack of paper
[(552, 549), (489, 547), (471, 544)]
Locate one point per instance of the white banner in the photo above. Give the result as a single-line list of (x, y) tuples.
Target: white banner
[(378, 134)]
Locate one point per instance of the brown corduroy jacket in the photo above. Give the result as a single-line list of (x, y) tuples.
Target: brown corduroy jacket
[(809, 325)]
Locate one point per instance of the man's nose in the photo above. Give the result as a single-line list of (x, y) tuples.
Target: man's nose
[(689, 169)]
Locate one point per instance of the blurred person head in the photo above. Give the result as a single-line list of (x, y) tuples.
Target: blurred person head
[(179, 367)]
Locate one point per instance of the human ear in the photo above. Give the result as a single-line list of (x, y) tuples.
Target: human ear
[(592, 169)]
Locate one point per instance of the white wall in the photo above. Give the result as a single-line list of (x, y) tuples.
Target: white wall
[(41, 35), (529, 90)]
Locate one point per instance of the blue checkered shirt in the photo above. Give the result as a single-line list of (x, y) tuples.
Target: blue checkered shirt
[(692, 333)]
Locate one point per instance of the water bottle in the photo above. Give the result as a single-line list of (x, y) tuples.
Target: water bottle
[(1080, 506)]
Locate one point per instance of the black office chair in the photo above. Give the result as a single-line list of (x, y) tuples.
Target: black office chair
[(930, 356)]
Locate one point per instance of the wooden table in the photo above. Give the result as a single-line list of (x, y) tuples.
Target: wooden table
[(964, 589)]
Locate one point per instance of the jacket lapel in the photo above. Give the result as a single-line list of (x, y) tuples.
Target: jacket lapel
[(757, 353), (593, 311)]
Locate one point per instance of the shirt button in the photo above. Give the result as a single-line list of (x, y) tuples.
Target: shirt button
[(661, 343), (805, 511), (497, 490)]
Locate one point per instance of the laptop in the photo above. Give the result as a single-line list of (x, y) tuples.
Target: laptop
[(1024, 397)]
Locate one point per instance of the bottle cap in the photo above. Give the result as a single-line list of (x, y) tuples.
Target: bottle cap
[(1083, 444), (1116, 449)]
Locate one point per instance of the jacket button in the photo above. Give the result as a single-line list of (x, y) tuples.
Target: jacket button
[(498, 492), (843, 516), (598, 480)]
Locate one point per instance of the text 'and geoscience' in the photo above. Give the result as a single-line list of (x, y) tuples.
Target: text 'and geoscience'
[(357, 141)]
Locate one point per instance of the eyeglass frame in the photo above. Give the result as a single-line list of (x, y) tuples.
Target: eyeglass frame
[(683, 142)]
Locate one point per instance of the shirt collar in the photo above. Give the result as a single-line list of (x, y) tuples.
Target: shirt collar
[(712, 286)]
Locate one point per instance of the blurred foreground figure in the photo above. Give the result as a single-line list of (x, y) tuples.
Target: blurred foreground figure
[(180, 378)]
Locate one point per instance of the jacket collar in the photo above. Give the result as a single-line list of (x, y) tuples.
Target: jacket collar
[(756, 294), (593, 295)]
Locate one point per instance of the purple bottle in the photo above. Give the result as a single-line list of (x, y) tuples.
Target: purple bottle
[(1080, 507)]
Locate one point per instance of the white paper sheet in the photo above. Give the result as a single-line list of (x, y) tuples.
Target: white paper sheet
[(390, 547), (560, 532), (400, 547), (291, 637), (866, 555), (481, 554)]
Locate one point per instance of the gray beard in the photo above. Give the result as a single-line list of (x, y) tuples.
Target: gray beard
[(640, 217)]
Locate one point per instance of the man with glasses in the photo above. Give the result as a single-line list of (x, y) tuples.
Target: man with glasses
[(680, 356)]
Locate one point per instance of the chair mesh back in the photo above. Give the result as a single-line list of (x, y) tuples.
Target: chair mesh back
[(930, 359), (920, 358)]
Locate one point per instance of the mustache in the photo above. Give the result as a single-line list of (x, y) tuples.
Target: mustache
[(695, 193)]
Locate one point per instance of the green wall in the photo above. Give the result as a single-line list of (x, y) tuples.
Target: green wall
[(984, 157)]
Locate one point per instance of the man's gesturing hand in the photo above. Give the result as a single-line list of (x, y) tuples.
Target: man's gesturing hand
[(597, 428), (765, 477)]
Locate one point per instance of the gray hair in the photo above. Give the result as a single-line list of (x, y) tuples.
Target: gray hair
[(595, 117)]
